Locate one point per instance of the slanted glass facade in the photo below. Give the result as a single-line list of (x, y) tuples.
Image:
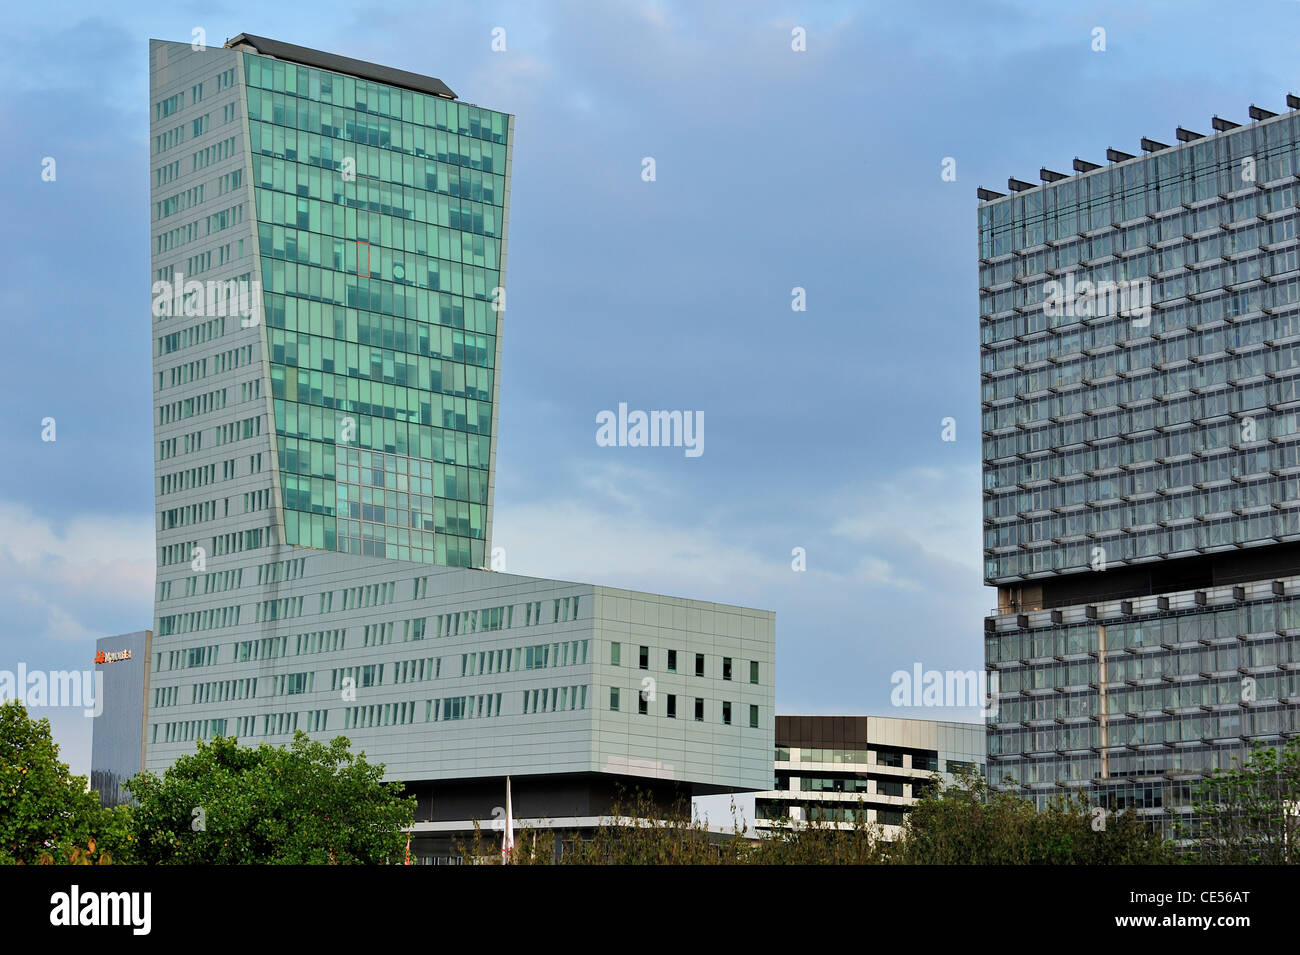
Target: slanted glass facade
[(381, 227)]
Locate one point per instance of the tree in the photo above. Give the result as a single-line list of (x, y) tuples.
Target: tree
[(966, 824), (1251, 814), (308, 803), (819, 841), (642, 831), (46, 813)]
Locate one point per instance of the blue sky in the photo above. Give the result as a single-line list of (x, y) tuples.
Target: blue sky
[(775, 169)]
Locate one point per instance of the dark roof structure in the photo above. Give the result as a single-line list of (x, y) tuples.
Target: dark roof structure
[(1149, 146), (342, 64)]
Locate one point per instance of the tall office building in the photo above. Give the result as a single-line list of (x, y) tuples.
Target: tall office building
[(1140, 353), (325, 451), (117, 747)]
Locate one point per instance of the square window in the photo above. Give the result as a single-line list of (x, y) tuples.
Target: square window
[(699, 664), (887, 757), (699, 710), (615, 653), (613, 698), (672, 707), (672, 661), (726, 713), (645, 658), (726, 668)]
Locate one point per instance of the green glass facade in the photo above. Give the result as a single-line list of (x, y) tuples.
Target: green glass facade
[(381, 229)]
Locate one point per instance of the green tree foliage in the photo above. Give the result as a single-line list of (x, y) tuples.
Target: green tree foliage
[(966, 824), (1251, 814), (47, 814), (962, 824), (641, 832), (820, 842), (308, 803)]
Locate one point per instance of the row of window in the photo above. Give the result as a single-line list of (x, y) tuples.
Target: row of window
[(647, 696), (481, 663), (923, 760), (1198, 727), (378, 99), (1146, 310), (670, 661), (1169, 511), (1168, 664), (1051, 769), (775, 809), (1223, 163), (1203, 622), (1209, 374), (191, 371), (1055, 337), (1208, 235), (1128, 544)]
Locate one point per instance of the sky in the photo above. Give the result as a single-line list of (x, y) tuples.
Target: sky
[(776, 168)]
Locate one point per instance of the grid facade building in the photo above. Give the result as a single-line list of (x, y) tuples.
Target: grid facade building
[(325, 453), (1140, 363)]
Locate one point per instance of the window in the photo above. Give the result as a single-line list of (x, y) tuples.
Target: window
[(726, 713), (753, 716), (886, 757), (699, 664), (672, 707), (726, 668), (889, 787), (672, 661), (615, 652), (645, 658), (613, 698), (642, 705), (753, 671), (929, 762), (699, 710)]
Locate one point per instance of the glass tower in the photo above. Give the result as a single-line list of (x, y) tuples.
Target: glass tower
[(381, 230), (328, 263), (381, 233), (1140, 376)]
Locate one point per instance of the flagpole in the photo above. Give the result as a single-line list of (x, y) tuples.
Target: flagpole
[(508, 840)]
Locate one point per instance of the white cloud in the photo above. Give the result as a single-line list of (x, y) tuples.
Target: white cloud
[(908, 532), (59, 579), (574, 540), (931, 512)]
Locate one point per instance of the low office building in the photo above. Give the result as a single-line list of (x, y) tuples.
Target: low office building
[(841, 770)]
